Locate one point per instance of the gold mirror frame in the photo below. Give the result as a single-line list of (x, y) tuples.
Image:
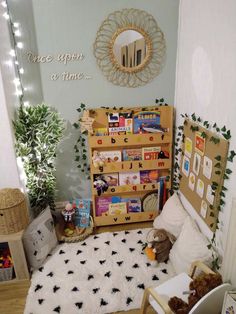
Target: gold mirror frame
[(143, 23)]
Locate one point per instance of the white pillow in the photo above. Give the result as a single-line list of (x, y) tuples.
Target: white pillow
[(39, 238), (190, 246), (172, 216)]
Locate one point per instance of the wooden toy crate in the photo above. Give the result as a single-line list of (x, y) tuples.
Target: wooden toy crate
[(13, 211)]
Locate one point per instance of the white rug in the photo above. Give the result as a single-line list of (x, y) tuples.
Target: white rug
[(107, 272)]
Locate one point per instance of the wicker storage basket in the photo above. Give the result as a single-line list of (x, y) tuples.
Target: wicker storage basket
[(6, 273), (79, 236), (13, 211)]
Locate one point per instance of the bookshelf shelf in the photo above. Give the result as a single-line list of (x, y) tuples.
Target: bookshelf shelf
[(137, 165), (106, 143)]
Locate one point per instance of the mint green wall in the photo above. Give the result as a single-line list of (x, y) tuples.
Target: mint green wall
[(70, 26)]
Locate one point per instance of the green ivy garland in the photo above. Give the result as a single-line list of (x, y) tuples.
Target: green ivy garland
[(81, 150), (217, 167)]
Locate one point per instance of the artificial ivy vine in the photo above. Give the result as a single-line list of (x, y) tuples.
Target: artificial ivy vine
[(219, 164), (81, 151)]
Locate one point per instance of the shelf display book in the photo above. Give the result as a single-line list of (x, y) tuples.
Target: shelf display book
[(142, 169)]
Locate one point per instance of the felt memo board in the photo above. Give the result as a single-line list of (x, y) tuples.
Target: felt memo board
[(200, 168)]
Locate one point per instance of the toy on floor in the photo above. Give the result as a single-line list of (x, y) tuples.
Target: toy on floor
[(98, 160), (159, 244), (5, 259), (199, 287), (101, 185), (67, 214)]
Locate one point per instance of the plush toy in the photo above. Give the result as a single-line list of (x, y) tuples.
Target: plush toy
[(200, 286), (67, 214), (100, 184), (159, 243), (98, 160)]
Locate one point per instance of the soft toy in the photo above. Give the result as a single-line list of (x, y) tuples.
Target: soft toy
[(159, 243), (200, 286), (100, 184), (98, 160)]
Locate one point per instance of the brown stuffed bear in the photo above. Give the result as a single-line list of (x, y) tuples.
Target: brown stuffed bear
[(159, 243), (200, 286)]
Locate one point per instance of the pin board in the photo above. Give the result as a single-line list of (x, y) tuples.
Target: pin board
[(202, 170)]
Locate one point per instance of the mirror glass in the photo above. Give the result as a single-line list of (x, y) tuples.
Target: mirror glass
[(130, 48)]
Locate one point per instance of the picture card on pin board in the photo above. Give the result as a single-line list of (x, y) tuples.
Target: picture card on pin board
[(196, 163), (200, 188), (209, 195), (199, 143), (186, 166), (188, 147), (207, 167), (203, 210), (191, 181)]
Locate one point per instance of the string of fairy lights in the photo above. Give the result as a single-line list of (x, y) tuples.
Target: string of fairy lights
[(17, 45)]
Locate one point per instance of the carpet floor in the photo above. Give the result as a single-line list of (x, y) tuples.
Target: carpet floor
[(105, 273)]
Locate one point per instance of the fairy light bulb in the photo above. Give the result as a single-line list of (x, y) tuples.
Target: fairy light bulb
[(4, 4), (12, 53), (17, 33), (22, 71), (6, 16), (16, 81), (16, 24), (26, 103), (19, 45)]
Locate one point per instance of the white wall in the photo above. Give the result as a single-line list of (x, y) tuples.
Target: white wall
[(9, 175), (206, 73), (71, 26)]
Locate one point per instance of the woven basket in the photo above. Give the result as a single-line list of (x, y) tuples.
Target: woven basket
[(81, 236), (13, 211), (6, 273)]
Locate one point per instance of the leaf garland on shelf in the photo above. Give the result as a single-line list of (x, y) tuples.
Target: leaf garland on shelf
[(81, 151), (218, 166)]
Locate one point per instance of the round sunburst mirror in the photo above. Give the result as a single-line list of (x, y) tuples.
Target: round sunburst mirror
[(130, 48)]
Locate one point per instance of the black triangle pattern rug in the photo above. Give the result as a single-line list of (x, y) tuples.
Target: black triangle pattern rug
[(106, 273)]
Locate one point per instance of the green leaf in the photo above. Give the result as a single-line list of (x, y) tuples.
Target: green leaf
[(203, 135), (225, 177), (217, 165), (76, 125), (218, 157), (162, 100), (223, 129), (193, 116), (228, 171), (209, 246)]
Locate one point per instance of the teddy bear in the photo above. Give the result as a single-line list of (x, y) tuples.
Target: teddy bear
[(98, 160), (159, 244), (200, 286)]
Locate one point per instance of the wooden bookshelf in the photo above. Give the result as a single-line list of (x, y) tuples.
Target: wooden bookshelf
[(126, 141)]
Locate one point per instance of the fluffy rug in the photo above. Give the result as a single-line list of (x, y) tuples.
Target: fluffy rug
[(107, 272)]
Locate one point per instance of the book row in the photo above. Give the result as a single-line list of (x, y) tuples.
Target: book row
[(130, 178), (132, 123), (115, 205), (132, 154)]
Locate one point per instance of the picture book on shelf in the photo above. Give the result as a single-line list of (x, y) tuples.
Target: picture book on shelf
[(102, 205), (126, 178), (82, 213), (120, 123), (148, 176), (100, 131), (111, 155), (147, 122), (132, 154), (112, 179), (150, 153), (117, 208), (134, 205)]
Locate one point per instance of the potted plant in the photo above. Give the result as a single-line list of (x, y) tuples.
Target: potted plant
[(38, 130)]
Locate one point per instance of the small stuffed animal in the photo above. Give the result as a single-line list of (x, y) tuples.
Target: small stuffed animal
[(160, 242), (97, 159), (200, 286), (100, 184)]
